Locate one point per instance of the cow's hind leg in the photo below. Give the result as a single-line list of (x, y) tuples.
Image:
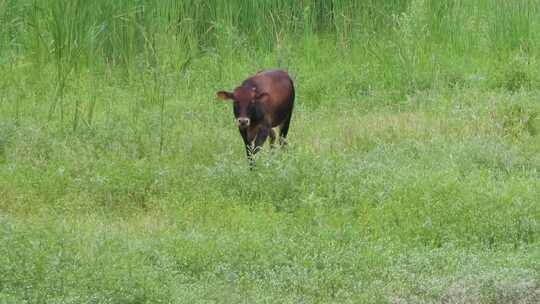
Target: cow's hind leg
[(283, 130)]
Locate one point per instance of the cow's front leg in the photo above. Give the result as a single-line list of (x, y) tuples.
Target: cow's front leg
[(261, 137), (272, 135), (247, 144)]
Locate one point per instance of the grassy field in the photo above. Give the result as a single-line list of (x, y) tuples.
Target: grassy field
[(412, 173)]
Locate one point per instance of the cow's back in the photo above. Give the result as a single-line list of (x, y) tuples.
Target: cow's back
[(279, 87)]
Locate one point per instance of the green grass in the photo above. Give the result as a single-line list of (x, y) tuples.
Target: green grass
[(412, 173)]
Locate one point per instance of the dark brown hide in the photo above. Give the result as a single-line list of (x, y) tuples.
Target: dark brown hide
[(262, 102)]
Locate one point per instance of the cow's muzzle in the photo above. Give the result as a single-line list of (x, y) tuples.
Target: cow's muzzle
[(242, 122)]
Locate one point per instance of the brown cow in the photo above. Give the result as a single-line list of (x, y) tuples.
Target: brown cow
[(261, 103)]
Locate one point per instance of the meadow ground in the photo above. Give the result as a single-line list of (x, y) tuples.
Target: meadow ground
[(412, 173)]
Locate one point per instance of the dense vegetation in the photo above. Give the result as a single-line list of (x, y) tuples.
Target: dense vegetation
[(412, 174)]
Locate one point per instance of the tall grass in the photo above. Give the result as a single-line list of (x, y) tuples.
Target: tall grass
[(114, 32), (398, 46)]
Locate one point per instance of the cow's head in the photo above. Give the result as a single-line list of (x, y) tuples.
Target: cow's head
[(245, 104)]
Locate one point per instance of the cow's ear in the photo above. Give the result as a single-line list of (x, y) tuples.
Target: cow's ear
[(262, 96), (225, 95)]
